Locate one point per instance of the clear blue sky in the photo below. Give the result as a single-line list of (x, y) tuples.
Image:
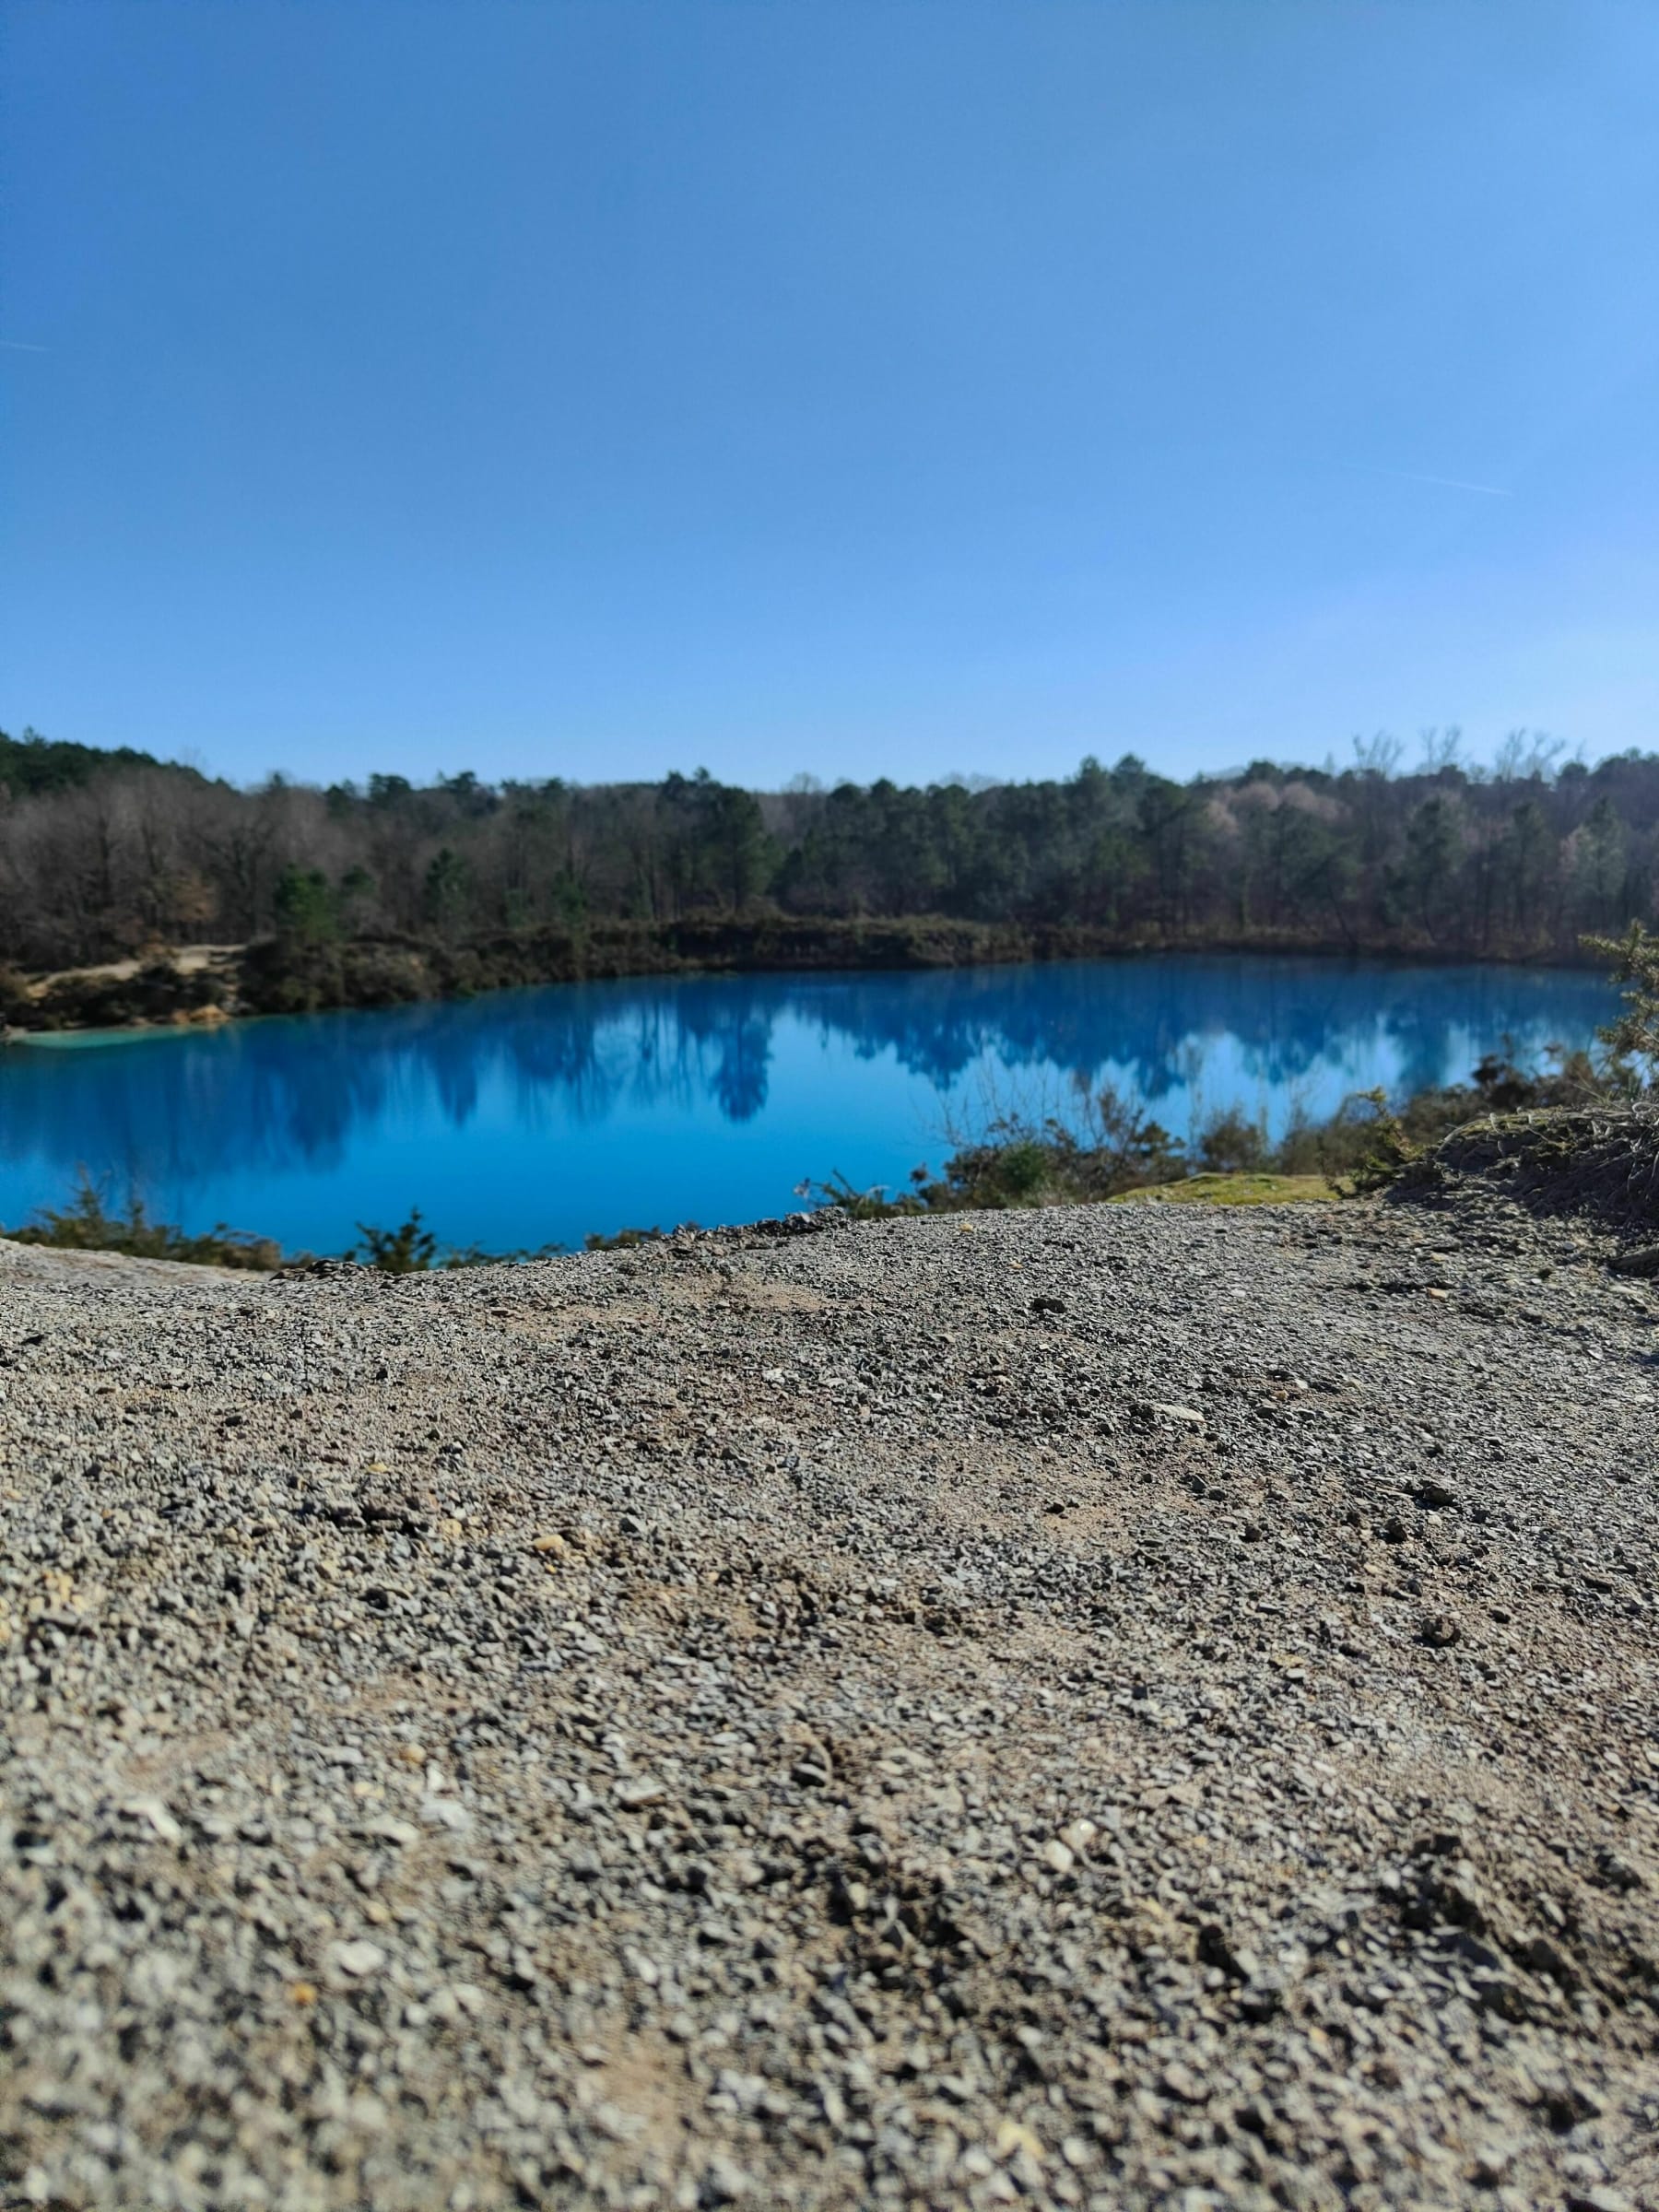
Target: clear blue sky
[(844, 385)]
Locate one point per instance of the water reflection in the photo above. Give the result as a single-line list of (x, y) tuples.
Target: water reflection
[(279, 1098)]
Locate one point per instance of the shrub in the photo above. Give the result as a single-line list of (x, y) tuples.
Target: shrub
[(408, 1249), (1635, 1035), (87, 1224), (1109, 1147), (1229, 1143), (412, 1250)]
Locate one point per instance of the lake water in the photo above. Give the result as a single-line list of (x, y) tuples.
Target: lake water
[(536, 1117)]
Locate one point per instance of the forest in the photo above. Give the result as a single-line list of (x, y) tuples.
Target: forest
[(112, 854)]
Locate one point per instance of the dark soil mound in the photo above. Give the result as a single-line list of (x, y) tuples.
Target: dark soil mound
[(1601, 1161)]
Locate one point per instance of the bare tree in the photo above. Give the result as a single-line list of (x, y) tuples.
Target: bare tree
[(1440, 749), (1378, 755), (1526, 756)]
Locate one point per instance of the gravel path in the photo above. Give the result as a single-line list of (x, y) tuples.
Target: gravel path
[(1112, 1708)]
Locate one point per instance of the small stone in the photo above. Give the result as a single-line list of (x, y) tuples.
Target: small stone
[(1059, 1858), (638, 1790), (725, 2182), (1491, 2163), (357, 1959), (1439, 1630), (1612, 1872), (1179, 2081), (1263, 1997), (401, 1832), (154, 1814)]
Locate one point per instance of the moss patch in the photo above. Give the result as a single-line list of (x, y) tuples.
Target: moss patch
[(1233, 1189)]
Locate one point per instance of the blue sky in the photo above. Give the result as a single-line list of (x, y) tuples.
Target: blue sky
[(849, 386)]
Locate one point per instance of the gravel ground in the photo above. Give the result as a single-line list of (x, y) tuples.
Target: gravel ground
[(1110, 1708)]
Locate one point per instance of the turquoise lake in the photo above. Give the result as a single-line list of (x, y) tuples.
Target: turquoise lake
[(531, 1117)]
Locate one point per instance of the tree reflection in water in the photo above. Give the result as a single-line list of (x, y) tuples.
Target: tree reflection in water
[(275, 1099)]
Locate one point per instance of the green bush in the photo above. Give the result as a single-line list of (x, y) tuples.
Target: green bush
[(408, 1249), (1635, 1035), (412, 1250), (1230, 1144), (1109, 1147), (87, 1224)]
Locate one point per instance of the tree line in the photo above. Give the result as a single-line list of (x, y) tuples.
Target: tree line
[(112, 853)]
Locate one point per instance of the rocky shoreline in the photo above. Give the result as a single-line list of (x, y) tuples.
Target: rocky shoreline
[(204, 984), (1119, 1707)]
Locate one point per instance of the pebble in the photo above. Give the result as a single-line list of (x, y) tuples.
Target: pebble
[(358, 1958)]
